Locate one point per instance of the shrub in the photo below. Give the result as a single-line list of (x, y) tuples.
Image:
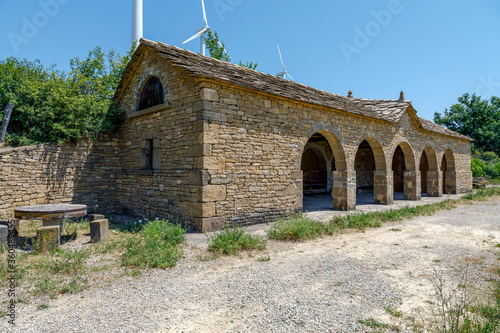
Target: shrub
[(232, 241), (156, 245), (477, 167)]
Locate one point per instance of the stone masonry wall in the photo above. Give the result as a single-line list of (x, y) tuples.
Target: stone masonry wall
[(167, 190), (83, 173), (257, 142)]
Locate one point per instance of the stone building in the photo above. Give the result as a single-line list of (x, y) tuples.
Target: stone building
[(214, 144), (218, 144)]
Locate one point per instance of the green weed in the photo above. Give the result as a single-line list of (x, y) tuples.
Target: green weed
[(232, 241), (156, 245)]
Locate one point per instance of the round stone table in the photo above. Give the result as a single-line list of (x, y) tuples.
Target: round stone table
[(51, 215)]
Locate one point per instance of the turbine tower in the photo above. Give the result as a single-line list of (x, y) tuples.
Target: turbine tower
[(137, 23), (201, 32)]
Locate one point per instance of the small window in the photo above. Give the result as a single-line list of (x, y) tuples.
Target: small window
[(152, 94)]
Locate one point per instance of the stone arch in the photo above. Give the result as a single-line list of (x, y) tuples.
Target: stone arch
[(378, 152), (431, 158), (405, 174), (148, 74), (335, 140), (315, 167), (430, 176), (409, 155), (382, 179), (448, 168)]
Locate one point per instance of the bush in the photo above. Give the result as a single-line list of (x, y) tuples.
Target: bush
[(156, 245), (232, 241), (477, 167), (55, 106)]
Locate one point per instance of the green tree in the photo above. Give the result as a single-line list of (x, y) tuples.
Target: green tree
[(477, 118), (217, 50), (51, 105)]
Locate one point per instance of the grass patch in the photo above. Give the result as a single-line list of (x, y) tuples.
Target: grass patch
[(371, 322), (299, 227), (265, 258), (296, 228), (155, 245), (232, 241), (393, 311)]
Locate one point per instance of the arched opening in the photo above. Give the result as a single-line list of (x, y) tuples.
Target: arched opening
[(314, 168), (429, 174), (370, 173), (152, 94), (317, 164), (424, 169), (364, 165), (449, 174), (406, 179)]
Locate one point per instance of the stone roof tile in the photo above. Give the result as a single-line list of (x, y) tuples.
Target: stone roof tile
[(198, 65)]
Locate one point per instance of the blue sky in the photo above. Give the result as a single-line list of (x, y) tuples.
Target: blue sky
[(434, 50)]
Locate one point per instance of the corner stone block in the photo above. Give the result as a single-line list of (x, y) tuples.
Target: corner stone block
[(47, 238), (99, 230), (213, 193), (208, 94), (209, 224)]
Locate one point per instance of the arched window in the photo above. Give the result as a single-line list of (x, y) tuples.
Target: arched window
[(152, 94)]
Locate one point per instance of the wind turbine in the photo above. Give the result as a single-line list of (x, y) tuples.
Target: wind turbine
[(201, 32), (284, 73)]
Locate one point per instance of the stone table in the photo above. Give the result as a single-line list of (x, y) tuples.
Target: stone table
[(51, 215)]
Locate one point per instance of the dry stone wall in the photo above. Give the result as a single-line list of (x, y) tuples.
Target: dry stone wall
[(83, 173)]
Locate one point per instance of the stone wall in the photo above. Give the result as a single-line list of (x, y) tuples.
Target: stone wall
[(83, 173), (167, 191), (258, 140)]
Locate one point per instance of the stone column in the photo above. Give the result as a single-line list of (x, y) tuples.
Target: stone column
[(434, 183), (412, 190), (450, 185), (383, 187), (344, 190)]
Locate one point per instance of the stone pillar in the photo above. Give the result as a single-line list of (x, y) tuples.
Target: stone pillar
[(383, 187), (344, 190), (47, 238), (434, 183), (412, 190), (450, 185)]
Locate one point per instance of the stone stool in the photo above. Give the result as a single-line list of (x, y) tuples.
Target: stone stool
[(99, 230)]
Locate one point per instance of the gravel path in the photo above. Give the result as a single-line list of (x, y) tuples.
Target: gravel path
[(325, 285)]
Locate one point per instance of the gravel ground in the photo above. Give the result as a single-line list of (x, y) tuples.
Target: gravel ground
[(325, 285)]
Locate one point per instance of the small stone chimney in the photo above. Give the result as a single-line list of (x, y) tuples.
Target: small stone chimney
[(349, 94), (401, 96)]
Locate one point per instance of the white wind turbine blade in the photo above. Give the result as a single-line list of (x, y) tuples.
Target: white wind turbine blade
[(198, 34), (223, 47), (286, 73), (282, 64), (204, 13)]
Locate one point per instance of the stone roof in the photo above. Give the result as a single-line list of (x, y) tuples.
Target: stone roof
[(198, 65)]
